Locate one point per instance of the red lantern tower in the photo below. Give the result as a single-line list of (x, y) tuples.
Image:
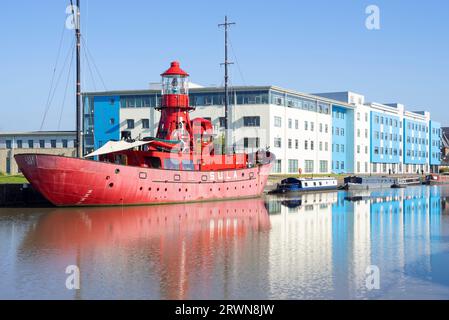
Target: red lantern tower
[(175, 121)]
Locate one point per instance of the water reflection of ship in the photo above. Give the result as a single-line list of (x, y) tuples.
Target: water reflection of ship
[(175, 238)]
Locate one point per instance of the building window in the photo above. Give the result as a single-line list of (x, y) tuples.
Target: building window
[(290, 123), (376, 150), (321, 146), (130, 123), (326, 128), (290, 143), (19, 144), (308, 166), (323, 166), (8, 144), (358, 150), (306, 125), (358, 133), (312, 124), (53, 143), (255, 121), (296, 124), (342, 131), (311, 145), (30, 144), (326, 146), (65, 143), (112, 121), (251, 142), (358, 116), (292, 166), (42, 144), (306, 145), (145, 123), (296, 143), (321, 127), (277, 142), (342, 148), (277, 166), (278, 122)]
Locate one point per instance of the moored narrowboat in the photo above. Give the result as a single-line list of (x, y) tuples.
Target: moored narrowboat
[(434, 178), (305, 184), (365, 183)]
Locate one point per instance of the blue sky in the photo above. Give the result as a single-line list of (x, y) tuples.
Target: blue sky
[(309, 46)]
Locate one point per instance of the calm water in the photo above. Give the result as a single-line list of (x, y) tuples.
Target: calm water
[(303, 247)]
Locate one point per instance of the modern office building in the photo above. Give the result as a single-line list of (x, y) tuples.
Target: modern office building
[(50, 142), (319, 133), (296, 126)]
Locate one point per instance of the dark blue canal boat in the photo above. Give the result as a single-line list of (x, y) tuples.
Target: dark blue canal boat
[(304, 185)]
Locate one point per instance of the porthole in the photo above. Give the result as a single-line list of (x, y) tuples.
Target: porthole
[(117, 171), (111, 185)]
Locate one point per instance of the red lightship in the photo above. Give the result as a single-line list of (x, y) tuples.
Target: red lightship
[(179, 164)]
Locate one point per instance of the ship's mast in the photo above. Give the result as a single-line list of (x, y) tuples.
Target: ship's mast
[(226, 24), (78, 79)]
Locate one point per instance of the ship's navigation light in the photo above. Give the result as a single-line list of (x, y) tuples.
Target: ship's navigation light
[(175, 80)]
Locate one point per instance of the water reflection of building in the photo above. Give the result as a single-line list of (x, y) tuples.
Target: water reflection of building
[(170, 252), (331, 246), (301, 247)]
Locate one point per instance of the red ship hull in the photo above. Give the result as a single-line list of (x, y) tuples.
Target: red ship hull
[(68, 181)]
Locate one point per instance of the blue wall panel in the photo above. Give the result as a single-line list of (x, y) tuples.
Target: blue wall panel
[(435, 143), (342, 139), (106, 119), (386, 138), (416, 142)]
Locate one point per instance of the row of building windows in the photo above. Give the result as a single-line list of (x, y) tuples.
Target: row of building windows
[(338, 147), (417, 127), (387, 121), (436, 131), (307, 125), (130, 123), (308, 145), (31, 144), (387, 151), (338, 165), (359, 118), (338, 115), (338, 131), (358, 133), (436, 155), (417, 153), (387, 136), (293, 166), (300, 103), (359, 148), (417, 140)]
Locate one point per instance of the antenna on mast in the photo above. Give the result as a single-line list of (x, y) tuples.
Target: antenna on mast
[(226, 24), (77, 21)]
